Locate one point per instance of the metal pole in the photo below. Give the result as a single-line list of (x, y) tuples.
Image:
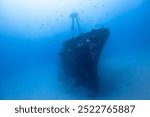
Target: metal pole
[(72, 27), (78, 25)]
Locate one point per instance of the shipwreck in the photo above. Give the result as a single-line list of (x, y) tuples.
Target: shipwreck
[(80, 56)]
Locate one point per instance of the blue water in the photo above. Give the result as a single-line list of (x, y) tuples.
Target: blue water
[(31, 40)]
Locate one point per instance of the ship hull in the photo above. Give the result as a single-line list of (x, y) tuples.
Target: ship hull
[(80, 56)]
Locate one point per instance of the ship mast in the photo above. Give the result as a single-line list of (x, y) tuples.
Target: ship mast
[(74, 17)]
